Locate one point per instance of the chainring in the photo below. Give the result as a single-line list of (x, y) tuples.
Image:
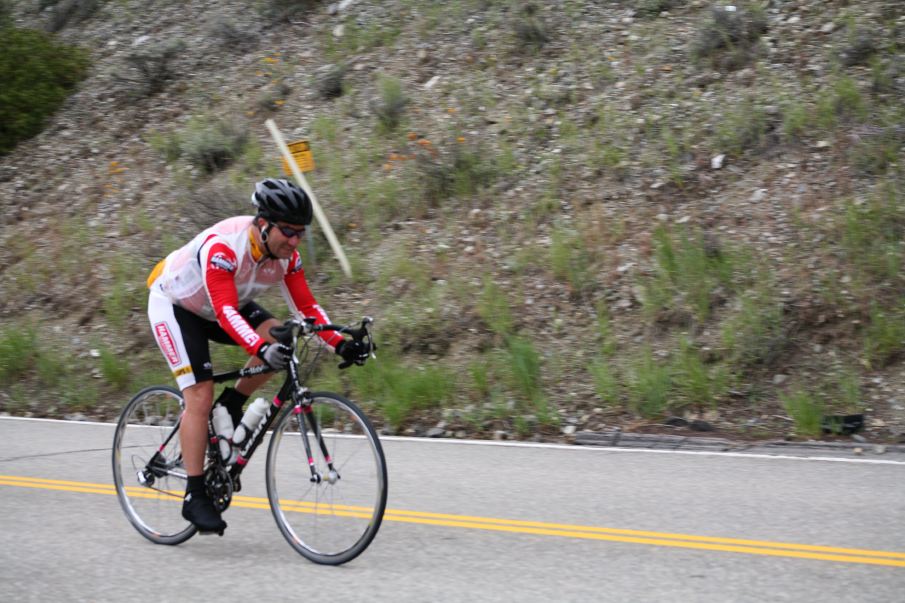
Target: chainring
[(219, 486)]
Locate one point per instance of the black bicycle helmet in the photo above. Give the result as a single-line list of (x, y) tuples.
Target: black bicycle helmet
[(280, 200)]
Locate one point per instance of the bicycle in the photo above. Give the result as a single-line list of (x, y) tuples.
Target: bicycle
[(326, 473)]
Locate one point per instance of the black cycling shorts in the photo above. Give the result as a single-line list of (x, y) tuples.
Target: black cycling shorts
[(184, 338)]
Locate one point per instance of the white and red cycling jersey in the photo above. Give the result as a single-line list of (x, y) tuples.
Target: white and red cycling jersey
[(222, 269)]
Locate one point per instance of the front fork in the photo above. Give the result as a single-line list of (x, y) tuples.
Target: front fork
[(306, 419)]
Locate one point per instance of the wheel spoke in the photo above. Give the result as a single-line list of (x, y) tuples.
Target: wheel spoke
[(146, 444), (328, 522)]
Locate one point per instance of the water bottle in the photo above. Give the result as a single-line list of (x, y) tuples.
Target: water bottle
[(251, 420), (223, 427)]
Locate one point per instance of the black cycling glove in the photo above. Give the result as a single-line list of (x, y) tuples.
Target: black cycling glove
[(353, 352)]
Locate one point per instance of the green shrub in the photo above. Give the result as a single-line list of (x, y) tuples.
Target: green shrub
[(756, 334), (884, 339), (884, 74), (819, 407), (840, 102), (480, 377), (461, 172), (36, 75), (116, 369), (19, 400), (80, 394), (606, 382), (530, 33), (153, 67), (731, 37), (806, 411), (211, 145), (689, 270), (166, 145), (845, 389), (71, 12), (571, 261), (50, 366), (391, 106), (696, 383), (231, 37), (359, 38), (880, 144), (494, 309), (847, 99), (605, 331), (400, 390), (420, 319), (18, 350), (607, 156), (411, 273), (126, 292), (872, 234), (273, 97), (330, 85), (652, 8), (743, 128), (649, 386), (860, 47), (795, 121), (674, 156), (525, 368), (388, 200), (287, 10)]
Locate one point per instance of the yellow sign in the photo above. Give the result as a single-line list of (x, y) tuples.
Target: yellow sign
[(301, 153)]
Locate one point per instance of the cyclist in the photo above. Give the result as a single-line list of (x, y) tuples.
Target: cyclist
[(204, 292)]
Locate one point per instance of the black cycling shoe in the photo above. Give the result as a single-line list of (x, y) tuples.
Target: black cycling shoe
[(198, 509)]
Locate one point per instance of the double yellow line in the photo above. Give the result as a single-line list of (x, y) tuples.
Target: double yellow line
[(687, 541)]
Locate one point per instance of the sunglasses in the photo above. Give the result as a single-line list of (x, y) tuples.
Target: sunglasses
[(290, 232)]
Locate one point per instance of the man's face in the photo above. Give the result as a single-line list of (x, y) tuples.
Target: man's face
[(284, 238)]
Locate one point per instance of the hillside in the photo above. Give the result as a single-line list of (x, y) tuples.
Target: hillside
[(658, 215)]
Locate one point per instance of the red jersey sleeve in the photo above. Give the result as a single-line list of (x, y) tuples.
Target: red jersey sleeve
[(218, 269), (302, 300)]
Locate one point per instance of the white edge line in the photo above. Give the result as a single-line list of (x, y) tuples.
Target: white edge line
[(452, 442), (39, 420), (641, 450)]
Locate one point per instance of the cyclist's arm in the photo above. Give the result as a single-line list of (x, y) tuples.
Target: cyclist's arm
[(301, 300), (218, 269)]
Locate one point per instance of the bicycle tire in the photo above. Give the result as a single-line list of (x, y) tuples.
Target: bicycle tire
[(154, 508), (334, 521)]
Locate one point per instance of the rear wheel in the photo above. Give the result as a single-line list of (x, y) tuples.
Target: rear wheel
[(147, 465), (332, 518)]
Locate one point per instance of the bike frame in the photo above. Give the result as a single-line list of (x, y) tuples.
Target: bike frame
[(291, 390)]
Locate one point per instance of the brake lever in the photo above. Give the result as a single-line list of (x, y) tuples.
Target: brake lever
[(366, 323)]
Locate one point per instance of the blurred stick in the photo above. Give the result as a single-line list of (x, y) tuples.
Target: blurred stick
[(318, 212)]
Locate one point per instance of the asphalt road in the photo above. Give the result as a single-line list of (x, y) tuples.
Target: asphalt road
[(473, 522)]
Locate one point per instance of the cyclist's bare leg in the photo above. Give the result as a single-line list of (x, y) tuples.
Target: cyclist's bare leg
[(248, 385), (193, 429), (197, 506)]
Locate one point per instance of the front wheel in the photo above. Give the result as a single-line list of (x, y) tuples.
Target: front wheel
[(332, 515), (147, 465)]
